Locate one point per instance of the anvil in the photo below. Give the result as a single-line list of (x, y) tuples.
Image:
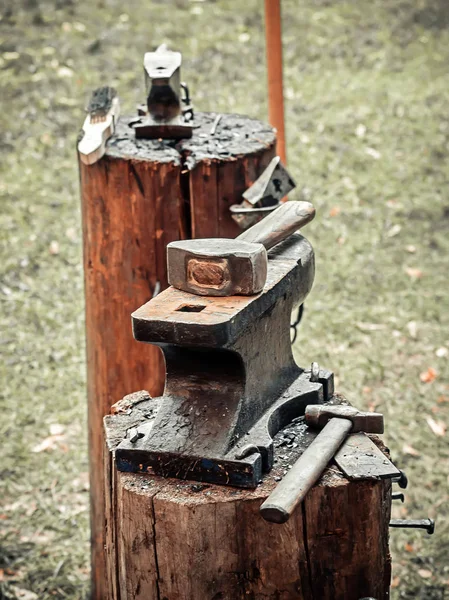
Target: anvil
[(168, 113), (232, 382)]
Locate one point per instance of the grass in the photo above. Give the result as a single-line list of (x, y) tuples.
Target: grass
[(366, 86)]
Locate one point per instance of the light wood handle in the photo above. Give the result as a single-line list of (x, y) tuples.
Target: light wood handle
[(279, 224), (306, 471)]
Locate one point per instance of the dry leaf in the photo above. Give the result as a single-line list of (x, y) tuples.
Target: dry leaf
[(54, 247), (71, 234), (442, 352), (395, 582), (394, 230), (23, 594), (442, 399), (414, 273), (424, 573), (428, 376), (406, 449), (334, 211), (48, 443), (438, 427), (370, 326), (56, 429), (373, 153), (360, 130), (412, 328), (409, 547)]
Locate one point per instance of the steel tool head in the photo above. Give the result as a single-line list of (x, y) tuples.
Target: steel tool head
[(163, 82), (217, 267), (223, 267), (318, 415)]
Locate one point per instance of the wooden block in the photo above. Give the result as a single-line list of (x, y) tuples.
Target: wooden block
[(140, 196)]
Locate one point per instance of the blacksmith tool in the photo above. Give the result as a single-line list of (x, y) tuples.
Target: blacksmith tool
[(168, 112), (232, 383), (336, 423), (398, 496), (401, 480), (264, 195), (103, 113), (427, 524), (224, 267)]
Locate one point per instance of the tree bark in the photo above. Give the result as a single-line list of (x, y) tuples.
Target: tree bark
[(186, 541), (140, 196)]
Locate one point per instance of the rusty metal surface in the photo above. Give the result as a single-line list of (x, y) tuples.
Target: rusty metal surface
[(273, 185), (360, 458), (219, 322), (370, 422), (223, 392), (230, 267)]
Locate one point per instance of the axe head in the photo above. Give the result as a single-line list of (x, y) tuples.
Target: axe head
[(217, 267)]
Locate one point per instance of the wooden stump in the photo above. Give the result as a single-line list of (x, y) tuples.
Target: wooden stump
[(140, 196), (170, 539)]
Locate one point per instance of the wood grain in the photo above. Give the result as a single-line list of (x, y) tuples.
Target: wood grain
[(184, 541), (141, 195), (124, 229)]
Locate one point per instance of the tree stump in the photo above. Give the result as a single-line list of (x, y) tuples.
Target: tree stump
[(169, 539), (140, 196)]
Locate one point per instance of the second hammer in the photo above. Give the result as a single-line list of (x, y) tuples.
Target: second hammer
[(338, 422)]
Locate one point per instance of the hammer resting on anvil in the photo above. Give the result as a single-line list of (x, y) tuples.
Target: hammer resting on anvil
[(225, 395), (226, 267)]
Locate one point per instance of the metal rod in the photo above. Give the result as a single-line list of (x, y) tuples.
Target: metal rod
[(283, 500), (427, 524), (273, 36)]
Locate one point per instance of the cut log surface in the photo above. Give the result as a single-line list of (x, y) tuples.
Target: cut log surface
[(140, 196), (176, 540)]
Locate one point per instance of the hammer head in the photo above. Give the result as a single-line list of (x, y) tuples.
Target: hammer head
[(318, 415), (217, 267)]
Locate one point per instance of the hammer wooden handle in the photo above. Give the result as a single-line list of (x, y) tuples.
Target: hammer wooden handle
[(279, 224), (306, 471)]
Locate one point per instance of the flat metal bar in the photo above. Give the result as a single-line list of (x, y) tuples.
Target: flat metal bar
[(360, 458)]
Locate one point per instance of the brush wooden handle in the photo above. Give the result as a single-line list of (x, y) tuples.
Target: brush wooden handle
[(280, 224)]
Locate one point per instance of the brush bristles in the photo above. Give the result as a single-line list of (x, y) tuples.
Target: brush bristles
[(100, 103)]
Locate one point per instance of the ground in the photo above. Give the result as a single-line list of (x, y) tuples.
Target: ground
[(366, 88)]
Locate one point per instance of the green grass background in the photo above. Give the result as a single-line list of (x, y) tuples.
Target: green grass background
[(367, 113)]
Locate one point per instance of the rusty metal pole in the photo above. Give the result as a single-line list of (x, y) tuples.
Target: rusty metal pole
[(273, 36)]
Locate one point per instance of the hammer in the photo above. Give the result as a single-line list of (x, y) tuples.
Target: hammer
[(336, 423), (227, 267)]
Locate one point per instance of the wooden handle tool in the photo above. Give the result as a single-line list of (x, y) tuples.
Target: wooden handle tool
[(226, 267)]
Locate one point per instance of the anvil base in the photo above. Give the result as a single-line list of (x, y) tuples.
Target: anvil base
[(243, 466)]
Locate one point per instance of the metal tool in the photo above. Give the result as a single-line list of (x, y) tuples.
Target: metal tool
[(401, 480), (225, 398), (398, 496), (103, 114), (427, 524), (168, 112), (223, 267), (336, 423), (264, 195)]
